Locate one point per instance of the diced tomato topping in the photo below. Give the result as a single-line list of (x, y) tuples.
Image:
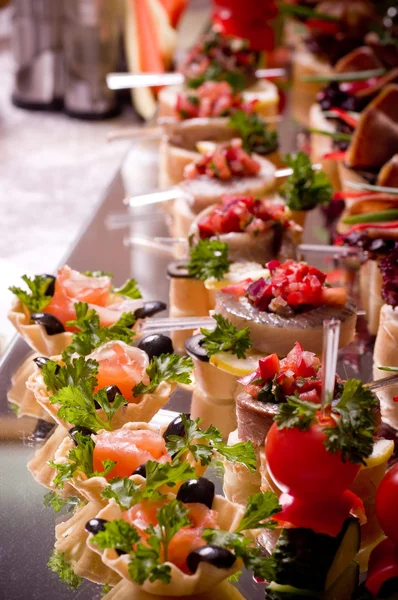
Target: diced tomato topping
[(129, 449), (395, 398), (121, 365), (269, 366), (241, 213), (297, 284), (237, 289), (227, 161), (211, 99)]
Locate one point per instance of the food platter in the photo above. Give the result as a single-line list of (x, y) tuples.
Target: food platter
[(27, 526), (291, 444)]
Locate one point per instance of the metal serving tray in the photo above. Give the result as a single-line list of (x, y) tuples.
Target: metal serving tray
[(26, 526)]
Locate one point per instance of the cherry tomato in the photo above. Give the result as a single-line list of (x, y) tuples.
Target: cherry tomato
[(299, 463), (129, 449), (383, 565), (387, 503)]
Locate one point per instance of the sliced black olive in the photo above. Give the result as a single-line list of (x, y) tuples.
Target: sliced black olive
[(178, 270), (194, 348), (111, 392), (141, 470), (120, 552), (197, 490), (51, 286), (95, 525), (214, 555), (42, 360), (51, 324), (81, 430), (156, 344), (176, 427), (149, 309), (42, 430)]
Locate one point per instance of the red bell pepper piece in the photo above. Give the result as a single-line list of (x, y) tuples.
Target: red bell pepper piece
[(346, 117)]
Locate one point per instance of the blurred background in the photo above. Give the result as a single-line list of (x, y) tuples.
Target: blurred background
[(56, 112)]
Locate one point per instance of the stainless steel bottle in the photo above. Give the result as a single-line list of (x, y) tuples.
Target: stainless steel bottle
[(92, 44), (37, 48)]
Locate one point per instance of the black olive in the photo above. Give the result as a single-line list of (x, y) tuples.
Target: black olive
[(51, 324), (194, 348), (51, 286), (175, 427), (197, 490), (141, 470), (149, 309), (111, 392), (95, 525), (120, 552), (156, 344), (42, 360), (214, 555), (81, 430), (178, 270), (42, 430)]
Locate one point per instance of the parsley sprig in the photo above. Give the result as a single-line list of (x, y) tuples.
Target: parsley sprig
[(59, 565), (209, 258), (126, 493), (166, 367), (92, 335), (35, 299), (72, 373), (256, 136), (203, 444), (79, 459), (226, 338), (129, 289), (354, 431), (305, 188), (57, 503)]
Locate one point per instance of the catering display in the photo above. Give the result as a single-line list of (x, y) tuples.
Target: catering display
[(302, 452)]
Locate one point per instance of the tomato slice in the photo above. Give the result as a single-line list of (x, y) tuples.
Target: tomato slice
[(121, 365), (129, 449)]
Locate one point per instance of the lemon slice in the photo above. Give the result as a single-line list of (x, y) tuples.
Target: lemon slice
[(237, 272), (235, 366), (205, 147), (382, 451)]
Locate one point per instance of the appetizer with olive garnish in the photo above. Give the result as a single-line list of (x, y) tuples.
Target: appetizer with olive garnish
[(45, 314), (287, 306), (180, 544)]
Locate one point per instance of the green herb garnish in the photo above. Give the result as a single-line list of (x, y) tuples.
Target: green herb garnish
[(166, 367), (98, 274), (380, 216), (118, 534), (305, 188), (212, 442), (57, 503), (58, 564), (353, 433), (226, 338), (256, 137), (79, 369), (80, 459), (92, 335), (209, 258), (129, 289), (35, 299), (336, 135)]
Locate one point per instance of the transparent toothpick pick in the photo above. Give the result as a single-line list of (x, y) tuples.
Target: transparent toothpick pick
[(331, 335)]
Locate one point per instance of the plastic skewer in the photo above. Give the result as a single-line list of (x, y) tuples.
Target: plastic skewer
[(331, 335), (382, 383), (176, 192), (367, 187), (154, 325), (127, 81)]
